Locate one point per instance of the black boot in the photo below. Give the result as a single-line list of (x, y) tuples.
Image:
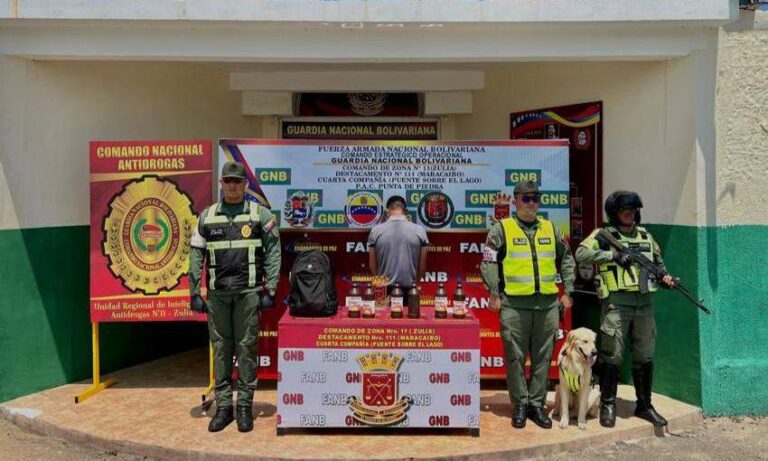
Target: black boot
[(642, 375), (222, 418), (519, 416), (244, 418), (538, 416), (609, 382)]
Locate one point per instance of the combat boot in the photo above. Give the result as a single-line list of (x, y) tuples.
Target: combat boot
[(609, 382), (222, 418), (519, 416), (539, 416), (245, 418), (642, 375)]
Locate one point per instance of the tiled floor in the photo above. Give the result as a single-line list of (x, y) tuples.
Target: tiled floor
[(154, 410)]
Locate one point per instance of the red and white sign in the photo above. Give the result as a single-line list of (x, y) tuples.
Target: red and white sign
[(382, 372)]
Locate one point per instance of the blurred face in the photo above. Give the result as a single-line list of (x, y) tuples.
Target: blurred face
[(234, 189), (527, 205), (627, 216)]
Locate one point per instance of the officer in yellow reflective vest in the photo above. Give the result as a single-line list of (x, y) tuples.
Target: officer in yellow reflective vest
[(627, 313), (520, 266), (239, 241)]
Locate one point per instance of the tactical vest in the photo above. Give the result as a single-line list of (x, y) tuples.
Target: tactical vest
[(615, 277), (518, 267), (235, 256)]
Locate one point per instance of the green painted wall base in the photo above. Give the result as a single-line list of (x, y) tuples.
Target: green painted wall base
[(45, 333), (718, 361), (733, 280)]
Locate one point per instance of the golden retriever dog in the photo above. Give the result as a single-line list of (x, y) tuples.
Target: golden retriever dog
[(574, 392)]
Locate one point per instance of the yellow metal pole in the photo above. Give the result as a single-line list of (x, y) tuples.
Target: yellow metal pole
[(209, 389), (97, 386)]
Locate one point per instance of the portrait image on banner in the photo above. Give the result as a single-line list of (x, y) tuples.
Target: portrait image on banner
[(145, 198)]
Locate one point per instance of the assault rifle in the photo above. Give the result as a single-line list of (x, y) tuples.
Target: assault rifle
[(648, 269)]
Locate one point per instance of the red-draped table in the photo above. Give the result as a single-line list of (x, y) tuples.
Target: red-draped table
[(382, 372)]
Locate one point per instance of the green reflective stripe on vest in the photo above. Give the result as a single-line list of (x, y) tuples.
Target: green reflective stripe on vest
[(518, 266), (235, 244), (254, 212), (218, 219), (253, 243), (615, 277), (251, 275), (210, 213), (211, 279), (217, 245)]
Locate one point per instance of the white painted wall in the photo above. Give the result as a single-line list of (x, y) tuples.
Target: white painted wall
[(52, 109), (649, 123), (49, 111), (741, 191)]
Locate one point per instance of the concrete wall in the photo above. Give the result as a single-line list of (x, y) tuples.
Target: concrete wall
[(733, 247), (544, 11), (50, 111)]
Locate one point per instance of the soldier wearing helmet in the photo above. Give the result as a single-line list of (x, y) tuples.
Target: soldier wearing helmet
[(627, 312)]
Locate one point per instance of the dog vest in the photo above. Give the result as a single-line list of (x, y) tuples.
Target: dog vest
[(518, 267), (572, 380)]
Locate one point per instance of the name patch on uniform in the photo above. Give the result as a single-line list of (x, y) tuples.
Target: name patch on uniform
[(520, 241), (640, 246), (216, 232), (545, 241)]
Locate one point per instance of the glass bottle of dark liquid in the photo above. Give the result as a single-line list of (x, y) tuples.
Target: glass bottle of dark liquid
[(441, 302), (353, 302), (396, 302), (413, 302), (369, 301), (459, 302)]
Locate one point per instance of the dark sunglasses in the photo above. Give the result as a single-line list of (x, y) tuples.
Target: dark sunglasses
[(232, 180), (530, 198)]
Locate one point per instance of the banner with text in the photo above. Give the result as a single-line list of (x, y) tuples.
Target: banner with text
[(328, 195), (145, 198), (448, 186)]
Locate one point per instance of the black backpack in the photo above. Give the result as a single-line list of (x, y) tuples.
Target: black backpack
[(313, 292)]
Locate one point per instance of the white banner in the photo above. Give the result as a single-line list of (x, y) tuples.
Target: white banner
[(447, 185)]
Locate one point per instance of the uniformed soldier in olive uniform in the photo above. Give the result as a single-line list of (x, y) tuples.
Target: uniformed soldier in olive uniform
[(240, 242), (627, 313), (519, 269)]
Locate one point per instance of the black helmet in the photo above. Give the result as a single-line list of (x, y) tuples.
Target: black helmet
[(619, 200)]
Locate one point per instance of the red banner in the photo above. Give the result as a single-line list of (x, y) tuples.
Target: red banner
[(145, 198), (452, 256), (582, 125)]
